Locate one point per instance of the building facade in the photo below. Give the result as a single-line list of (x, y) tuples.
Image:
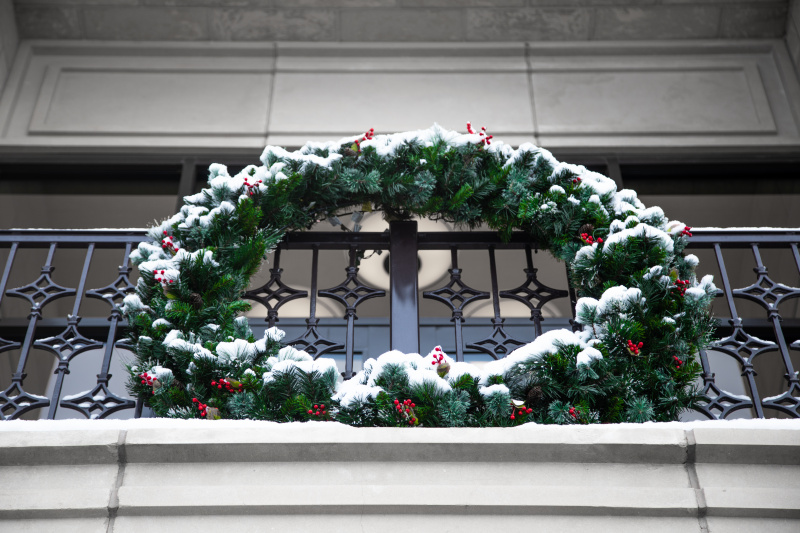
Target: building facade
[(112, 110)]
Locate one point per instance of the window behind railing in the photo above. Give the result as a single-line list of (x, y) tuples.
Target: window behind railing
[(62, 349)]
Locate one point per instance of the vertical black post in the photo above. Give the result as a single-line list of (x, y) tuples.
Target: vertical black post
[(404, 325)]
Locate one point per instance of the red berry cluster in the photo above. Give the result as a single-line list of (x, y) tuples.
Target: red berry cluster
[(405, 410), (162, 280), (201, 406), (678, 362), (152, 381), (576, 181), (320, 410), (687, 230), (487, 139), (167, 244), (225, 384), (522, 412), (682, 285), (438, 356), (251, 186), (574, 412), (633, 349), (588, 239), (367, 136)]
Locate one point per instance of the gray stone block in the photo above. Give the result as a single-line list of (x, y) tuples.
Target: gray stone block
[(534, 24), (3, 71), (273, 25), (402, 25), (9, 38), (276, 4), (337, 3), (80, 2), (588, 4), (740, 445), (793, 44), (61, 525), (657, 22), (757, 22), (145, 23), (794, 13), (208, 3), (49, 22), (462, 3), (727, 524), (58, 447), (462, 522)]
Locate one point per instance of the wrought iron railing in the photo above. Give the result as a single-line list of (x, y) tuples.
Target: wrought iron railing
[(48, 350)]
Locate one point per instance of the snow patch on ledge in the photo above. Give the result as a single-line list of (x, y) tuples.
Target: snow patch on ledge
[(315, 426)]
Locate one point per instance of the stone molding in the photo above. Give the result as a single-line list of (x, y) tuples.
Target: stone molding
[(222, 99), (189, 475)]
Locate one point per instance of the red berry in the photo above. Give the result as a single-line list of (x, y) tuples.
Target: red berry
[(324, 412), (529, 410), (396, 402), (310, 411), (512, 417)]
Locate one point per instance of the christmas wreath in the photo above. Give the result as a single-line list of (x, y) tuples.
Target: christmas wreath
[(642, 312)]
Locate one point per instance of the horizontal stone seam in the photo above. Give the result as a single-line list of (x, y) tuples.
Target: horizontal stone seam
[(360, 509), (27, 514)]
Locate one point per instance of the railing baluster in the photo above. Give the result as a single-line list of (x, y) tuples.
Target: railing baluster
[(15, 395), (6, 345), (343, 293), (775, 317), (72, 322), (311, 341), (499, 343), (100, 398), (456, 295), (747, 366)]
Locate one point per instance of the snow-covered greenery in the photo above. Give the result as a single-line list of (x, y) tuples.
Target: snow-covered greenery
[(643, 313)]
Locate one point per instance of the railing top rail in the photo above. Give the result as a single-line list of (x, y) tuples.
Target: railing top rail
[(702, 238), (71, 238), (743, 237)]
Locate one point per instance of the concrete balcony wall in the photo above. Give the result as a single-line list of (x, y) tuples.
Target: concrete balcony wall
[(183, 476)]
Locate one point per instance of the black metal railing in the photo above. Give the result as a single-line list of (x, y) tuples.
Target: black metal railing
[(53, 337)]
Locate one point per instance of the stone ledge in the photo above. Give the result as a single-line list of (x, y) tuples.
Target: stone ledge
[(197, 473)]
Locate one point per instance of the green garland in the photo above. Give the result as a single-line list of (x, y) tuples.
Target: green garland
[(643, 312)]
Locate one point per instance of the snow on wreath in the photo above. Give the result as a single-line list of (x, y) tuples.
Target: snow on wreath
[(642, 313)]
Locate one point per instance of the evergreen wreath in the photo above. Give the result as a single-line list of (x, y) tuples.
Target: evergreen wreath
[(642, 312)]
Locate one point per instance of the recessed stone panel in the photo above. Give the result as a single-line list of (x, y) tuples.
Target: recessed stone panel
[(665, 101), (131, 102), (337, 103)]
